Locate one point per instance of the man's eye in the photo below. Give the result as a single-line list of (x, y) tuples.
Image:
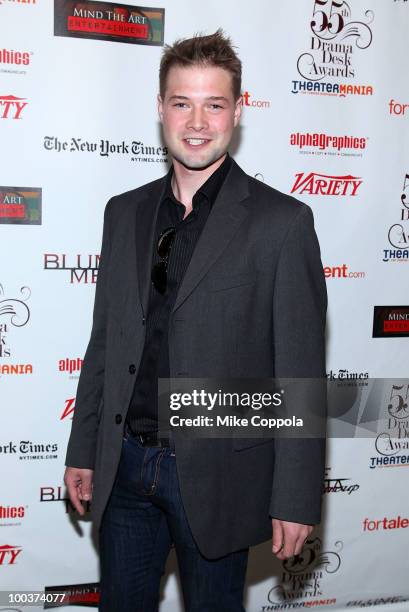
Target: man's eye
[(180, 104), (216, 106)]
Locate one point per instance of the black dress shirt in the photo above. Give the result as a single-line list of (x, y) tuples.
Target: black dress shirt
[(143, 409)]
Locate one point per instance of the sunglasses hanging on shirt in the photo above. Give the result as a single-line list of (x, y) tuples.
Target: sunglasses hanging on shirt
[(159, 274)]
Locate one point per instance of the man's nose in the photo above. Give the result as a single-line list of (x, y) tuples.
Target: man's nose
[(197, 119)]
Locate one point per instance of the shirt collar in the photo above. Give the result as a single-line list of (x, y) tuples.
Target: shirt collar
[(210, 189)]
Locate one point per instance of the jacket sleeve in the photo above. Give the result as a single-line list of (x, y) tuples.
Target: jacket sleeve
[(299, 312), (88, 404)]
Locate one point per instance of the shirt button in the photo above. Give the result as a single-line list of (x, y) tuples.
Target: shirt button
[(132, 369), (118, 419)]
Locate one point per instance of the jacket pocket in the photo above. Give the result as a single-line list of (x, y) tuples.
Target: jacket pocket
[(243, 443), (219, 283)]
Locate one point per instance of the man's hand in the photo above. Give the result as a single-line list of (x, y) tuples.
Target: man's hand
[(289, 538), (79, 484)]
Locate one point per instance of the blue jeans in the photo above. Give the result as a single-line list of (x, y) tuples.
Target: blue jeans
[(144, 516)]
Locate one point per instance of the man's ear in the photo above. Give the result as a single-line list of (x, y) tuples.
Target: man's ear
[(237, 110), (160, 107)]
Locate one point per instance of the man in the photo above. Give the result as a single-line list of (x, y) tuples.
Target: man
[(206, 273)]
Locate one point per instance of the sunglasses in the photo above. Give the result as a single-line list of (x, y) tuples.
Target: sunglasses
[(159, 274)]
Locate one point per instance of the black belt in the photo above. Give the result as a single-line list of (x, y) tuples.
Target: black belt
[(151, 439)]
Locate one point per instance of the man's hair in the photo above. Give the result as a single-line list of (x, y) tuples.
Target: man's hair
[(212, 50)]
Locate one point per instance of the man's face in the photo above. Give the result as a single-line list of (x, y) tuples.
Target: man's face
[(198, 114)]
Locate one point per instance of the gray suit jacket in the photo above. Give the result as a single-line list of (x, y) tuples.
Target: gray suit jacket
[(252, 304)]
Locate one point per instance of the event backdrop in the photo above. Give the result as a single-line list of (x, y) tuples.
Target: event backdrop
[(326, 116)]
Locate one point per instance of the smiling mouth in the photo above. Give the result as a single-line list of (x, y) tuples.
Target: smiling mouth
[(195, 142)]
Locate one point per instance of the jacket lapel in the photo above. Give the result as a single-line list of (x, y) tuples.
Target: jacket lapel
[(146, 215), (224, 219)]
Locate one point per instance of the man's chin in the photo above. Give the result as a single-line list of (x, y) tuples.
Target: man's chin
[(192, 162)]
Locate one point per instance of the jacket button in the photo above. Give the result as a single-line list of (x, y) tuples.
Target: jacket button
[(132, 369), (118, 419)]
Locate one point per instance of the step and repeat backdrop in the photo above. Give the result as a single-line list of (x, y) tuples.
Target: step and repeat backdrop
[(326, 119)]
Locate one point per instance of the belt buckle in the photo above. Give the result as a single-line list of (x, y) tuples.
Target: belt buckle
[(147, 440)]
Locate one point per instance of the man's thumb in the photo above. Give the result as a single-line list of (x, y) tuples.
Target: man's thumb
[(278, 536)]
